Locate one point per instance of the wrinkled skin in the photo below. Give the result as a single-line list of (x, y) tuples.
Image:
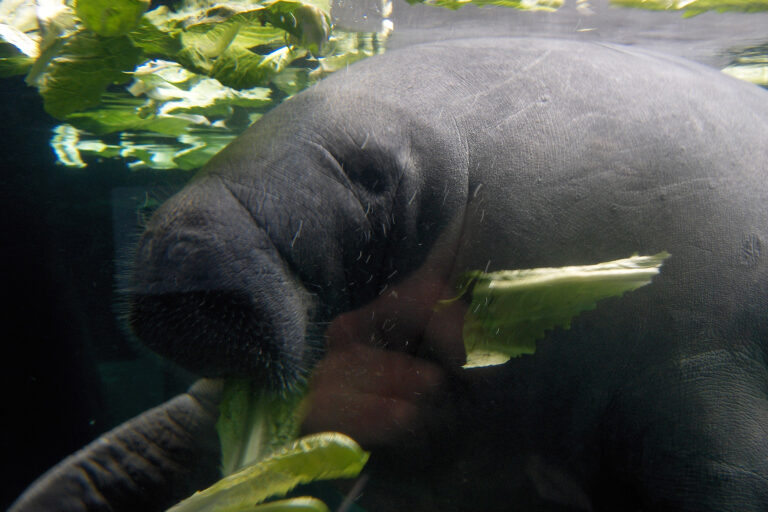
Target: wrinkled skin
[(144, 464), (325, 234)]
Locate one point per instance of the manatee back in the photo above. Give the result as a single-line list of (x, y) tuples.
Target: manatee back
[(532, 152), (520, 153)]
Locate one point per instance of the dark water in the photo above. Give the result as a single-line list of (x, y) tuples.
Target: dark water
[(70, 371)]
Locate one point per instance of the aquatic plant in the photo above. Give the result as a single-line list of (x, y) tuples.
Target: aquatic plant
[(689, 7), (750, 65), (695, 7), (172, 86), (533, 5), (168, 88)]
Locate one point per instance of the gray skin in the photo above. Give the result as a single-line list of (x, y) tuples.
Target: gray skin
[(418, 165), (144, 464)]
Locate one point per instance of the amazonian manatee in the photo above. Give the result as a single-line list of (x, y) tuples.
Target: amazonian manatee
[(323, 237)]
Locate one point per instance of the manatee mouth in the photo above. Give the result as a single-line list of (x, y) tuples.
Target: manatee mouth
[(218, 333)]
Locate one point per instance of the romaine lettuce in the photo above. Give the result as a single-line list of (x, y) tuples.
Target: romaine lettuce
[(509, 310), (323, 456)]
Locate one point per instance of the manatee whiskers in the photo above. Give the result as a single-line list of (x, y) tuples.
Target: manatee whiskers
[(208, 330)]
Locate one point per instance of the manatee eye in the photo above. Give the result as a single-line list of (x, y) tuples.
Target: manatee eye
[(217, 333)]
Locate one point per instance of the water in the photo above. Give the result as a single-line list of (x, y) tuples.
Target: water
[(710, 38), (70, 371)]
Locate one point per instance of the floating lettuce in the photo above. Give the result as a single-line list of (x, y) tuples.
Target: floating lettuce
[(195, 76), (509, 310), (531, 5), (751, 65), (224, 64), (689, 7), (109, 18), (695, 7)]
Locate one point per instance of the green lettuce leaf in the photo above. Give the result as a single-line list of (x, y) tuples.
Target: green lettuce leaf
[(531, 5), (153, 41), (751, 65), (176, 90), (511, 309), (17, 43), (300, 504), (254, 422), (82, 69), (187, 151), (307, 24), (755, 73), (223, 49), (15, 64), (322, 456), (110, 18), (695, 7), (119, 113), (201, 72)]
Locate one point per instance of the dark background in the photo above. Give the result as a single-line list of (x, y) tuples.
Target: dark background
[(70, 370)]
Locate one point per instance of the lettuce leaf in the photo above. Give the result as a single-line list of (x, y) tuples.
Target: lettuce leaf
[(300, 504), (254, 422), (531, 5), (751, 65), (79, 54), (262, 457), (110, 18), (82, 69), (695, 7), (323, 456), (509, 310)]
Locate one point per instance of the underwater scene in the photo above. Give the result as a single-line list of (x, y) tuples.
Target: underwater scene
[(384, 255)]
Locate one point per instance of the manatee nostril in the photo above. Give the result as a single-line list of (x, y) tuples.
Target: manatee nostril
[(216, 333)]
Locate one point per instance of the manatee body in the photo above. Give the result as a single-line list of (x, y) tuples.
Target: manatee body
[(387, 181)]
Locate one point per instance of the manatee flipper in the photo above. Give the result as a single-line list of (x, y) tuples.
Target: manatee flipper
[(147, 463)]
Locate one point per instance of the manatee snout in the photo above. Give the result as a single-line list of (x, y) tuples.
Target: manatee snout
[(210, 293)]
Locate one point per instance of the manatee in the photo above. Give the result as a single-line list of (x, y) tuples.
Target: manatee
[(316, 245)]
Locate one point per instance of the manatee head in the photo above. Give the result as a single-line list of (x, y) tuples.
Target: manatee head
[(211, 292)]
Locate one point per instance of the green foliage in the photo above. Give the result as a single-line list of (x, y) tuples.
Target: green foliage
[(301, 21), (509, 310), (254, 422), (694, 7), (90, 60), (691, 7), (262, 457), (324, 456), (199, 74), (81, 70), (751, 65), (301, 504), (530, 5), (109, 18), (153, 41), (11, 65)]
